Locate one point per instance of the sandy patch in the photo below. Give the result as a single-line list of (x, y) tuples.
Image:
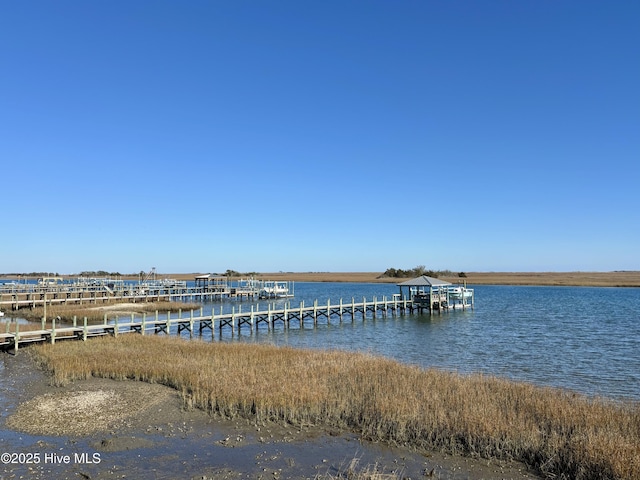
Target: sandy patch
[(97, 405)]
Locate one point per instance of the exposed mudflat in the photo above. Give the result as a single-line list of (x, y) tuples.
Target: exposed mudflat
[(101, 429)]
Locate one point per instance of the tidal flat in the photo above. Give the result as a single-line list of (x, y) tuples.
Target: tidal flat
[(371, 399)]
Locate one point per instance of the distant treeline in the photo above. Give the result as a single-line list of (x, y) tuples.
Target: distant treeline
[(99, 273), (419, 271), (233, 273), (32, 274)]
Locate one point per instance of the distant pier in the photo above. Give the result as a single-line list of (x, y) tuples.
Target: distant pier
[(54, 291)]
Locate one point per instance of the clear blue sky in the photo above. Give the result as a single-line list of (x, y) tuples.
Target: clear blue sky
[(319, 136)]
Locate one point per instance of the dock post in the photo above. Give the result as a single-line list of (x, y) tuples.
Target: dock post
[(302, 314), (191, 323), (213, 321), (353, 309), (16, 339), (315, 312), (168, 322), (251, 319), (53, 330), (75, 321), (340, 310), (364, 308), (105, 319), (269, 320), (115, 328), (328, 310), (156, 316), (144, 323), (233, 321), (44, 323), (375, 306), (84, 330), (286, 315)]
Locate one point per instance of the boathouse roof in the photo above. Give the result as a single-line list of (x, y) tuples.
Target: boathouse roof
[(422, 281)]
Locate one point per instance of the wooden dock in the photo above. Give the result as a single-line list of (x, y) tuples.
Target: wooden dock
[(56, 291), (36, 297), (196, 323)]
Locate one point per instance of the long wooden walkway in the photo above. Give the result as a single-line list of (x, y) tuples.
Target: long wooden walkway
[(15, 300), (196, 323)]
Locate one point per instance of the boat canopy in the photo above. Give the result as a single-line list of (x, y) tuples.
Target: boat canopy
[(424, 281)]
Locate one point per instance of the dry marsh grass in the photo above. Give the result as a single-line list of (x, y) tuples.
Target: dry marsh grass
[(601, 279), (560, 434)]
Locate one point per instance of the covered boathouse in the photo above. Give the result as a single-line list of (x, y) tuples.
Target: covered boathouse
[(435, 294)]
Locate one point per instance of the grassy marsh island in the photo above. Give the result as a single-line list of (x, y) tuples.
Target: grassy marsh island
[(95, 312), (558, 433)]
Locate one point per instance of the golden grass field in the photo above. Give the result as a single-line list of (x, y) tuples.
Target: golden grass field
[(627, 278), (602, 279), (558, 433)]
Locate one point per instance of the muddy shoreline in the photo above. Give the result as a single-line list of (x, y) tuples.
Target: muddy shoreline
[(149, 435)]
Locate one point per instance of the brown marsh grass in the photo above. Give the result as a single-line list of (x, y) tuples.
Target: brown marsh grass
[(560, 434), (601, 279)]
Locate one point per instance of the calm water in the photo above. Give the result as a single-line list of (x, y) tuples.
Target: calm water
[(582, 338)]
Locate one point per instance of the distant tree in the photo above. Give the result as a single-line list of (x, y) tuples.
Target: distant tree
[(419, 270), (462, 275)]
